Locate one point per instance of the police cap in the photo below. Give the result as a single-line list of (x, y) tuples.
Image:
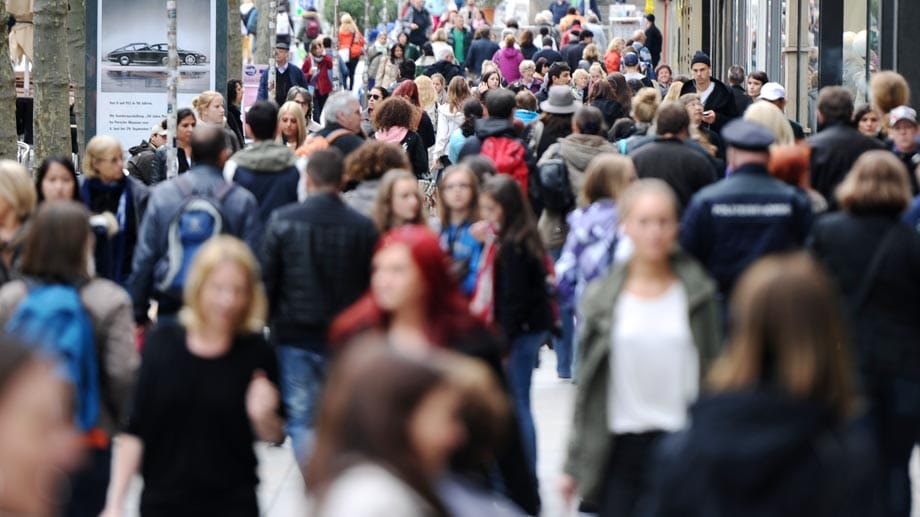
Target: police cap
[(747, 135)]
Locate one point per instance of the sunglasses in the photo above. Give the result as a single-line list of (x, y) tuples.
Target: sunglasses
[(375, 96)]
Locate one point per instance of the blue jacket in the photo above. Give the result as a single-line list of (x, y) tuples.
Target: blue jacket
[(738, 220), (465, 251), (559, 10), (480, 50), (241, 214)]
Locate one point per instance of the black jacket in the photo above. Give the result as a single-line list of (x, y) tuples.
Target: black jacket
[(140, 165), (742, 101), (653, 42), (480, 50), (884, 328), (762, 453), (235, 123), (316, 261), (834, 150), (685, 169), (446, 68), (732, 223), (418, 154), (551, 55), (522, 304), (345, 143), (611, 109), (720, 101), (426, 130), (572, 53)]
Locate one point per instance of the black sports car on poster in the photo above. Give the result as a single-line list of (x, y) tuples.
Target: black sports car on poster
[(144, 54)]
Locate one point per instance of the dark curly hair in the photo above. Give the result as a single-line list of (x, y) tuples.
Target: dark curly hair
[(373, 159), (393, 112)]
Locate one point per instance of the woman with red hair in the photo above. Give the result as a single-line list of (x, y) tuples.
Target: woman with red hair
[(791, 164), (416, 304), (409, 90)]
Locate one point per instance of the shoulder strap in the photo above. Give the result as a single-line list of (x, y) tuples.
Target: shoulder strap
[(333, 136), (223, 191), (872, 271)]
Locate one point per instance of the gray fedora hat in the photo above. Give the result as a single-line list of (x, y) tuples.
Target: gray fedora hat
[(561, 101)]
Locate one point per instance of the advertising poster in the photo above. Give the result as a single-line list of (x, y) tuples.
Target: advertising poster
[(132, 58)]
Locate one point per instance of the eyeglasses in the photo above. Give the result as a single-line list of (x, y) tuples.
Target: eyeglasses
[(375, 96)]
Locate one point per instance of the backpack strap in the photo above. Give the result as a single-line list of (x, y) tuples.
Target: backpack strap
[(223, 191), (862, 293), (333, 136)]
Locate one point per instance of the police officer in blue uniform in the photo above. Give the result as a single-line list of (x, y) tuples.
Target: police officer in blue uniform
[(732, 223)]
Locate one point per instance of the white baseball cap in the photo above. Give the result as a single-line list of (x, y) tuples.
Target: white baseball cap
[(772, 92)]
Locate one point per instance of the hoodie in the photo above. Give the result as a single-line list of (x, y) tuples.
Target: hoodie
[(508, 59), (577, 151), (761, 452), (267, 169)]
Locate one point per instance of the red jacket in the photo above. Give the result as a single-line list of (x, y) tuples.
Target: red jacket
[(322, 80)]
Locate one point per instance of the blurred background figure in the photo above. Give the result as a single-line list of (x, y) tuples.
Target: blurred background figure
[(414, 305), (38, 440), (58, 279), (652, 318), (56, 180), (872, 257), (205, 392), (388, 425), (775, 434)]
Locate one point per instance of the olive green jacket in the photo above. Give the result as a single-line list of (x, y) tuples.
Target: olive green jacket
[(590, 439)]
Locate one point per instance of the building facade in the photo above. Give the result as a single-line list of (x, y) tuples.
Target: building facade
[(802, 44)]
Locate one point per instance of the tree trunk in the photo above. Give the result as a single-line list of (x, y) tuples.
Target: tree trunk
[(234, 42), (367, 44), (172, 76), (76, 42), (263, 48), (52, 103), (8, 136)]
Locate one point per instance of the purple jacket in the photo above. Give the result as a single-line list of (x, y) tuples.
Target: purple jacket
[(508, 61), (588, 250)]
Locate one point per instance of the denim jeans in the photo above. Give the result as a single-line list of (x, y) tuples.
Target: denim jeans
[(896, 413), (564, 345), (302, 376), (524, 349)]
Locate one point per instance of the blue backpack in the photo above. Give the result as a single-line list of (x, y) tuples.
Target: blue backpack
[(199, 218), (52, 320)]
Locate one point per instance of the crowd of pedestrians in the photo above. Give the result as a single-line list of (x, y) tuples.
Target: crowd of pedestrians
[(373, 282)]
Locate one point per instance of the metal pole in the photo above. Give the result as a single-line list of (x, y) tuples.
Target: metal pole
[(336, 58), (172, 78), (272, 39)]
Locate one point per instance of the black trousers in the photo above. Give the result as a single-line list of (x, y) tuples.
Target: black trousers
[(627, 477)]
